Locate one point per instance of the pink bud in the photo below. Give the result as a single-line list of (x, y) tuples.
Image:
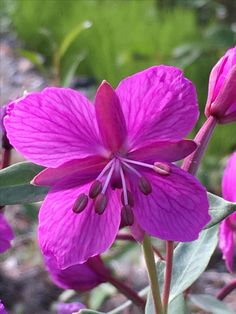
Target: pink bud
[(221, 101)]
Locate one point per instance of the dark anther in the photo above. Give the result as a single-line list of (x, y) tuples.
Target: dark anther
[(95, 189), (127, 216), (144, 186), (130, 198), (80, 203), (100, 203)]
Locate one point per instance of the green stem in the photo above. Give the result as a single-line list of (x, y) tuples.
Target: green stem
[(151, 268), (168, 273)]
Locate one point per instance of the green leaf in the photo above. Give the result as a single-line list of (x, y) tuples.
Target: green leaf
[(178, 305), (22, 194), (191, 259), (219, 209), (34, 58), (189, 262), (15, 187), (22, 172), (70, 73), (99, 294), (210, 304), (71, 36)]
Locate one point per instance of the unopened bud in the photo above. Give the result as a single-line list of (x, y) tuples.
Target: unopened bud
[(222, 89), (95, 189), (144, 186), (100, 203), (80, 203)]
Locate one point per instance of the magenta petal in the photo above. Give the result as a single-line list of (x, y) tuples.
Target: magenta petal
[(110, 118), (177, 208), (53, 126), (164, 151), (158, 104), (229, 179), (78, 277), (69, 308), (6, 234), (226, 242), (73, 238), (227, 227), (2, 309), (226, 98), (137, 232), (84, 170)]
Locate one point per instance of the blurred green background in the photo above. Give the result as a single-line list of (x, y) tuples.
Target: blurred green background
[(110, 39)]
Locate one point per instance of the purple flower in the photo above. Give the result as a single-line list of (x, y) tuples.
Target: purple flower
[(6, 234), (221, 101), (69, 308), (79, 277), (228, 226), (111, 162), (2, 308)]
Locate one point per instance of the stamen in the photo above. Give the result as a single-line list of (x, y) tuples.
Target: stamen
[(130, 198), (162, 168), (80, 203), (125, 194), (108, 178), (138, 163), (101, 200), (100, 203), (144, 185), (132, 169), (95, 189), (105, 169), (127, 216)]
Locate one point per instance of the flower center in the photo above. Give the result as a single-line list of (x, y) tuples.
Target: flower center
[(114, 174)]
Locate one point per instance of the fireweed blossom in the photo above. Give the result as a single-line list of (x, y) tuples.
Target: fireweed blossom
[(6, 234), (2, 308), (111, 162), (228, 226), (79, 277), (221, 101), (69, 308)]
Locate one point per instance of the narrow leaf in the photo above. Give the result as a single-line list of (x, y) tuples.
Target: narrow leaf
[(219, 209), (20, 173), (189, 262), (210, 304), (178, 305), (71, 36), (191, 259), (70, 73), (22, 194)]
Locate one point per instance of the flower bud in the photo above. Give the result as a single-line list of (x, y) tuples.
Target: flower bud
[(221, 101)]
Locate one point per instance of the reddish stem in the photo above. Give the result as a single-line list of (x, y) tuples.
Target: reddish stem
[(6, 155), (227, 289), (191, 163), (168, 273), (125, 236), (158, 253), (104, 272)]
